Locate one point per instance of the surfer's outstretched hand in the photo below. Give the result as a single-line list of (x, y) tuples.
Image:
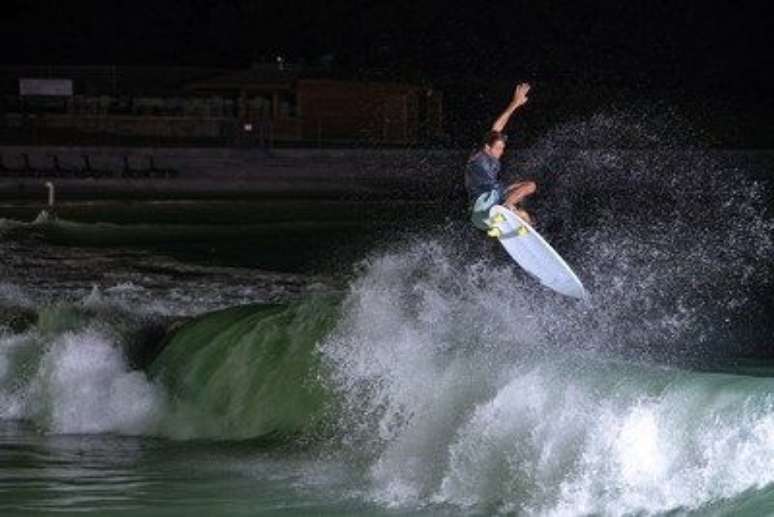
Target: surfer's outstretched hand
[(520, 95)]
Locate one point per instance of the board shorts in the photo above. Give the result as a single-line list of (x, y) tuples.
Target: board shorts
[(480, 210)]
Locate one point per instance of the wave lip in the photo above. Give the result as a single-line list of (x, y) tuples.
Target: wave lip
[(247, 372)]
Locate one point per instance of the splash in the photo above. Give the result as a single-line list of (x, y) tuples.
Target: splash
[(458, 385), (448, 378), (80, 382)]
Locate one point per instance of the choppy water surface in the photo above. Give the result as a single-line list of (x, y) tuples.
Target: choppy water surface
[(190, 359)]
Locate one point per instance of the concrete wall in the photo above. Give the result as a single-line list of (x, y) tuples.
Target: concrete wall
[(225, 171), (421, 174)]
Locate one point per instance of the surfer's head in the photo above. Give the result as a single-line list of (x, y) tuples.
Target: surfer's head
[(494, 143)]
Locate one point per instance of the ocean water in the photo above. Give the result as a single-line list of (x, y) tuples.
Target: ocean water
[(177, 358)]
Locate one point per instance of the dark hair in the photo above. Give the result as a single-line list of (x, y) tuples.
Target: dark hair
[(492, 137)]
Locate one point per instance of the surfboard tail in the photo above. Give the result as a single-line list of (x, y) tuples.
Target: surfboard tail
[(528, 249)]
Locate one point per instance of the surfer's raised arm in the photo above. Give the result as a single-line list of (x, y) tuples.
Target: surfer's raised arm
[(519, 99)]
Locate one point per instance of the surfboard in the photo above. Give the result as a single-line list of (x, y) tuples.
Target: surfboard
[(531, 251)]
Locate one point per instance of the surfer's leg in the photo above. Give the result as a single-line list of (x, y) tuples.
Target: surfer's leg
[(516, 192)]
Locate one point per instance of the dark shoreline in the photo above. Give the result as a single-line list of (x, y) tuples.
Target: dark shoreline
[(126, 173), (212, 173)]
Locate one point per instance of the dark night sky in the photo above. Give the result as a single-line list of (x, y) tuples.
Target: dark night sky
[(653, 41), (713, 60)]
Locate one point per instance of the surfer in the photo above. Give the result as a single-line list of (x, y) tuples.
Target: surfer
[(483, 170)]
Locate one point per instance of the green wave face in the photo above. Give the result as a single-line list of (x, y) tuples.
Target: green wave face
[(246, 372)]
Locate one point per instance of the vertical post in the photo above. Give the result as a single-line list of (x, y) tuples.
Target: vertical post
[(51, 194)]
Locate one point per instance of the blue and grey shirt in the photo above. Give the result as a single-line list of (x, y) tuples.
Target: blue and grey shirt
[(481, 175)]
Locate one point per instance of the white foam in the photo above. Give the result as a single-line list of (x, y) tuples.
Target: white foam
[(82, 384), (455, 391)]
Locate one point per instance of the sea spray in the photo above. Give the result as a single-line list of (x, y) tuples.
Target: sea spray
[(456, 388), (656, 225), (74, 367), (447, 380), (462, 382), (75, 382), (84, 385)]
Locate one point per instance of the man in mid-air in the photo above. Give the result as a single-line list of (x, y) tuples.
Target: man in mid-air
[(483, 170)]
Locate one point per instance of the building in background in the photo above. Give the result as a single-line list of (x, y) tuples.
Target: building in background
[(264, 105)]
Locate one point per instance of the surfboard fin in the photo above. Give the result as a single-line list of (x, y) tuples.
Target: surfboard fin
[(521, 231), (498, 218), (495, 233)]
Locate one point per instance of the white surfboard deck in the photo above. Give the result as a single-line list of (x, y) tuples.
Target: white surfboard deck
[(533, 253)]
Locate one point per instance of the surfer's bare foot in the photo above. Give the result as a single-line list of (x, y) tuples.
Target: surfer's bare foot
[(521, 213), (524, 215)]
